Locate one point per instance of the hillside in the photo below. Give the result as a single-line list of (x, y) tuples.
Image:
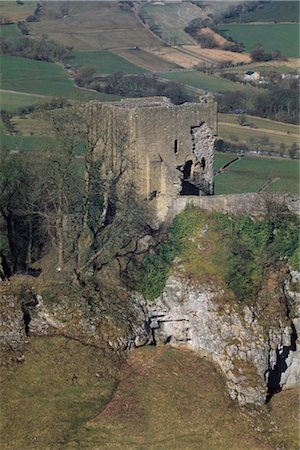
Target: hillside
[(155, 394)]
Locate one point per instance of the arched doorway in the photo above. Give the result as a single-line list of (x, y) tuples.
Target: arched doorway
[(187, 169)]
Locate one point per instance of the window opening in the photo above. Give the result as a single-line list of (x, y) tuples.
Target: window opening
[(175, 146)]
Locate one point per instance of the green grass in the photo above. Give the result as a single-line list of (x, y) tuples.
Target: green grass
[(283, 37), (37, 77), (220, 159), (12, 101), (251, 173), (28, 143), (209, 82), (104, 62), (24, 143), (10, 32), (42, 403), (280, 11)]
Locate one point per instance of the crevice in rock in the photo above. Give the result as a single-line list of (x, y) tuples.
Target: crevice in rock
[(273, 383)]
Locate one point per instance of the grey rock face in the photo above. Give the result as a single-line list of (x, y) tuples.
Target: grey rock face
[(237, 342), (291, 377), (12, 331)]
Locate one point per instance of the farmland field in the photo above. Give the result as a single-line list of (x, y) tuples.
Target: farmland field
[(14, 100), (280, 11), (250, 173), (283, 37), (208, 82), (264, 133), (13, 12), (10, 32), (169, 20), (38, 77), (145, 59), (220, 159), (96, 25), (104, 62)]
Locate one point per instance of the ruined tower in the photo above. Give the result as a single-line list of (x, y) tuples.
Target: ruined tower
[(170, 146)]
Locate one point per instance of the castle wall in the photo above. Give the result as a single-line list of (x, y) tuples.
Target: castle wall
[(166, 134), (252, 204)]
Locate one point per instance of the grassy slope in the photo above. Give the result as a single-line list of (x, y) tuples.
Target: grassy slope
[(209, 82), (12, 101), (94, 25), (104, 62), (171, 19), (52, 393), (173, 399), (283, 37), (250, 174), (37, 77), (167, 398), (281, 11), (15, 12), (10, 32)]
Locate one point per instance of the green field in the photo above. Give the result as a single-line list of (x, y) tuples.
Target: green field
[(209, 82), (250, 173), (279, 11), (10, 32), (283, 36), (220, 159), (38, 77), (104, 62), (12, 101)]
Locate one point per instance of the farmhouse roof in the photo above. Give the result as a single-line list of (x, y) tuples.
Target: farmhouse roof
[(249, 72)]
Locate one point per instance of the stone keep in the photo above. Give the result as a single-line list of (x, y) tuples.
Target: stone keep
[(170, 147)]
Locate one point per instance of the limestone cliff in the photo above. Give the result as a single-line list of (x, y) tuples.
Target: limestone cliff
[(246, 345), (253, 346)]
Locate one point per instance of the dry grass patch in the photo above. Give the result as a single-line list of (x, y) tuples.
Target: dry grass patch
[(92, 25), (146, 59), (61, 384), (217, 55), (177, 57), (170, 398)]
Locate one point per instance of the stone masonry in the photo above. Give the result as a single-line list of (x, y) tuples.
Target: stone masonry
[(170, 147)]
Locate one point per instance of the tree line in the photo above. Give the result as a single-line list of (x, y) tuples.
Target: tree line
[(82, 211)]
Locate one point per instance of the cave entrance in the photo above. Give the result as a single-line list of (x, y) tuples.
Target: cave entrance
[(188, 188)]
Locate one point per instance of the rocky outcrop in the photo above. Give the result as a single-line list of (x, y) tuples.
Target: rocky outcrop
[(236, 339), (12, 330), (291, 376), (54, 309)]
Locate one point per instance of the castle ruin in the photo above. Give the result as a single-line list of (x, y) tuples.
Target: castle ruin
[(170, 147)]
